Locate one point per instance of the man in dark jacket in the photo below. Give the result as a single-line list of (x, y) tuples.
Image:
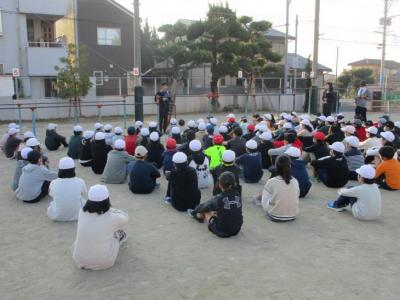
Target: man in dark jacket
[(183, 191), (142, 174), (163, 99), (54, 140)]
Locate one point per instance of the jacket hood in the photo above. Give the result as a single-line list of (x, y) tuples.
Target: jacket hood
[(29, 168)]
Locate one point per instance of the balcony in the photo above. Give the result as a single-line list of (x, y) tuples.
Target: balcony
[(43, 57), (44, 7)]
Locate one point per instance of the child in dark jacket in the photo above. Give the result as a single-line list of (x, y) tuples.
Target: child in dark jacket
[(74, 148), (223, 212), (156, 150), (86, 157), (99, 151), (317, 150), (183, 192), (208, 138), (299, 171), (168, 154), (263, 147), (228, 165), (251, 162), (53, 140)]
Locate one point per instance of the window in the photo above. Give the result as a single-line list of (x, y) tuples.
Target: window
[(50, 87), (109, 36), (1, 24), (98, 75)]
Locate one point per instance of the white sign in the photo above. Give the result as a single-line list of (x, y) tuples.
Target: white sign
[(303, 75), (15, 72), (135, 71), (240, 74)]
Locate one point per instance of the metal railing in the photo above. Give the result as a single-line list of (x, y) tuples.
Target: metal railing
[(42, 44)]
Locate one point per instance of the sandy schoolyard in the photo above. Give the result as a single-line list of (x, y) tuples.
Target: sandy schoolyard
[(322, 255)]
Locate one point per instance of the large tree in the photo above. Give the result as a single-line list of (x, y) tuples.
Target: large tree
[(351, 78)]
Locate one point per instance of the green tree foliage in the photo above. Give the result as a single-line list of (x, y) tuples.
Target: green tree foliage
[(72, 80), (351, 78), (150, 43)]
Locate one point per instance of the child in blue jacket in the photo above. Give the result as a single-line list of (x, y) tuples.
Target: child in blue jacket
[(251, 163)]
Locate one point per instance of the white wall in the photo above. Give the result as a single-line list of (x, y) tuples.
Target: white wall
[(6, 86)]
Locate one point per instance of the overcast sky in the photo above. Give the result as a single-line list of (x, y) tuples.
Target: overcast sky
[(347, 24)]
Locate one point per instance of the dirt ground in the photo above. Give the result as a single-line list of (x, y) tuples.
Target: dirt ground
[(322, 255)]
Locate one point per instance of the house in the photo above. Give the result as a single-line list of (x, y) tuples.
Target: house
[(30, 42)]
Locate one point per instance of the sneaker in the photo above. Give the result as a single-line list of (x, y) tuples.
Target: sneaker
[(123, 237), (331, 205), (167, 200), (194, 215)]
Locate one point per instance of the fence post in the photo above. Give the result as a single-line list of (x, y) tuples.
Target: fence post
[(294, 102), (19, 116), (279, 103), (99, 112), (33, 120), (125, 116), (76, 120)]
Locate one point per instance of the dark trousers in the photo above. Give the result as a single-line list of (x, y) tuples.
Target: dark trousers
[(43, 193), (327, 109), (163, 120), (381, 181), (361, 112), (323, 176), (344, 201), (353, 175)]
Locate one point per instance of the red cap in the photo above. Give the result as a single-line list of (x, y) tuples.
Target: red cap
[(319, 136), (231, 120), (171, 144), (251, 127), (218, 139)]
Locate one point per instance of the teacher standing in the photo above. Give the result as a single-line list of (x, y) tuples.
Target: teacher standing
[(163, 99), (363, 96)]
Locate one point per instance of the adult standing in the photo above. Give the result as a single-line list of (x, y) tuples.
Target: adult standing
[(328, 98), (363, 95), (163, 99)]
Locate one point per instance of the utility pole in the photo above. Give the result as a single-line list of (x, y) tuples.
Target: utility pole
[(314, 89), (137, 56), (337, 62), (382, 71), (295, 57), (285, 77)]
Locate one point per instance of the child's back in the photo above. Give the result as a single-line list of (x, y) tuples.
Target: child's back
[(299, 172), (252, 166)]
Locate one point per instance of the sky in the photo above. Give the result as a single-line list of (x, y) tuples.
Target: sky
[(347, 24)]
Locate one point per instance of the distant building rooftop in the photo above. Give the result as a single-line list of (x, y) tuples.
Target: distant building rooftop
[(274, 34), (389, 64), (301, 63)]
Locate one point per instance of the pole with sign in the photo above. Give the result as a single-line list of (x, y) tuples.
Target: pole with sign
[(15, 74)]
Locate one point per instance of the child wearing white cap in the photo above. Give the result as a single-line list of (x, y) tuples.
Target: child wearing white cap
[(251, 163), (353, 156), (53, 140), (100, 231), (67, 191), (99, 151), (109, 134), (155, 150), (21, 162), (201, 163), (371, 141), (333, 170), (12, 144), (264, 146), (237, 144), (144, 138), (201, 132), (118, 135), (183, 192), (75, 141), (86, 157), (364, 200), (116, 169), (227, 165)]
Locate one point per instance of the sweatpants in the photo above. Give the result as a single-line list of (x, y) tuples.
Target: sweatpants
[(344, 201), (43, 193)]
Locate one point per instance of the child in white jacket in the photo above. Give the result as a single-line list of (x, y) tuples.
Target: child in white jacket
[(100, 231), (67, 191), (365, 199)]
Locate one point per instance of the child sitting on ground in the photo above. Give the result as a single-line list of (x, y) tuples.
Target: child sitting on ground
[(317, 150), (115, 170), (100, 231), (388, 171), (109, 134), (156, 150), (67, 192), (86, 157), (54, 140), (74, 148), (99, 152), (183, 191), (130, 140), (215, 152), (21, 163), (364, 200), (251, 163), (168, 164), (237, 144), (353, 156), (333, 170), (12, 143), (228, 165), (223, 212), (280, 196), (199, 162), (208, 138), (118, 135), (263, 148), (299, 171), (176, 135)]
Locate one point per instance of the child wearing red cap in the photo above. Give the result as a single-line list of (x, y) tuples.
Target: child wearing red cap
[(215, 152), (317, 150), (170, 146), (250, 132)]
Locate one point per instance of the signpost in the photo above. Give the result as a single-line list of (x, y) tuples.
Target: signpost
[(15, 74)]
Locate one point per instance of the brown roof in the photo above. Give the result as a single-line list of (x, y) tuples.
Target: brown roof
[(389, 64)]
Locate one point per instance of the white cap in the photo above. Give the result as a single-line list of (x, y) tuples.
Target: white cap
[(13, 130), (306, 122), (144, 132), (372, 130), (213, 121), (32, 142), (98, 193), (349, 129), (12, 125), (179, 158), (200, 121), (108, 127), (228, 156), (98, 126), (119, 144), (268, 117), (25, 152), (223, 129), (28, 135), (366, 171), (288, 117), (99, 136), (173, 121), (338, 147), (51, 126), (175, 130), (373, 151), (266, 136), (118, 130), (304, 117), (202, 126), (66, 163), (322, 118), (388, 136), (294, 113), (353, 141), (88, 134), (191, 124), (154, 136), (140, 151), (138, 124), (252, 145), (330, 119), (153, 124), (287, 125), (78, 128), (397, 124), (231, 116), (195, 145), (293, 152)]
